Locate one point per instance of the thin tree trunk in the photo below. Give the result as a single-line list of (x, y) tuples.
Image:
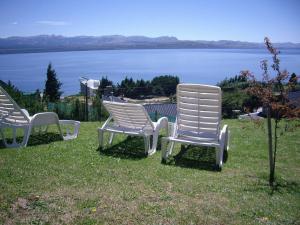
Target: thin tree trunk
[(100, 109), (275, 144), (271, 160), (86, 103)]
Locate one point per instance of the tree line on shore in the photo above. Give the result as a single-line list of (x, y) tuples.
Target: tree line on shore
[(159, 86)]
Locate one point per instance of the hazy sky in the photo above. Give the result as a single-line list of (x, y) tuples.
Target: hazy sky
[(244, 20)]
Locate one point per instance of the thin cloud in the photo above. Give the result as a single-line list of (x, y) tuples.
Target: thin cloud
[(53, 23), (14, 23)]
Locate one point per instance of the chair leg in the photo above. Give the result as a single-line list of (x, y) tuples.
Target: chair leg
[(162, 124), (59, 130), (15, 144), (154, 141), (224, 138), (46, 129), (111, 138), (227, 140), (164, 146), (100, 137), (219, 156), (170, 150), (167, 149), (26, 135), (147, 145)]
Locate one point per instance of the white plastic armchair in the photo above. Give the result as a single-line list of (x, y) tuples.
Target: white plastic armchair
[(131, 119), (198, 120), (14, 118)]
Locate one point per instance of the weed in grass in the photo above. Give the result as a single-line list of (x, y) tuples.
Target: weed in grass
[(88, 221)]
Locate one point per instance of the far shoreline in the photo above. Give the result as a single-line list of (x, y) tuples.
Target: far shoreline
[(120, 49)]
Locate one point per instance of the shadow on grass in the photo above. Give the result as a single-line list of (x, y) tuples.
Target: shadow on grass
[(196, 157), (130, 148), (37, 139), (260, 183), (282, 185), (279, 187)]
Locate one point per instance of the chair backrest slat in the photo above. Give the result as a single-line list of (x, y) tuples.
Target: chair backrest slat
[(10, 112), (199, 108), (129, 115)]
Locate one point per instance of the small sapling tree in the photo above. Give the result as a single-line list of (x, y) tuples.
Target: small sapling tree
[(273, 91)]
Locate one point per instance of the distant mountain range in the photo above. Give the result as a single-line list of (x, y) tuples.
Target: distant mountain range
[(51, 43)]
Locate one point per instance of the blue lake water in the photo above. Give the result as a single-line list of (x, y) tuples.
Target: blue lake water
[(208, 66)]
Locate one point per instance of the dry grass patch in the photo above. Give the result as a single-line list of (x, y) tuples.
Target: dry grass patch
[(110, 206)]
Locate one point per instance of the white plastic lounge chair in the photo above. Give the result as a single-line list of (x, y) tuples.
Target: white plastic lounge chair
[(253, 116), (14, 118), (198, 120), (132, 119)]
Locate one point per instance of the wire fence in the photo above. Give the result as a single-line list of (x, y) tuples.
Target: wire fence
[(97, 112), (90, 108), (77, 111)]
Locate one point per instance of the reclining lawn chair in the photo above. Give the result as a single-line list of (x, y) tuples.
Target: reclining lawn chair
[(198, 120), (132, 119), (13, 118)]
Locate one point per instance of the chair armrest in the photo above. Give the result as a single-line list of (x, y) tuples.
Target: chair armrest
[(106, 122), (223, 131), (172, 128), (26, 113), (162, 122), (224, 138), (65, 126), (43, 119)]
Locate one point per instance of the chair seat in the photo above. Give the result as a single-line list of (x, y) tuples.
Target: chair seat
[(127, 130), (195, 141)]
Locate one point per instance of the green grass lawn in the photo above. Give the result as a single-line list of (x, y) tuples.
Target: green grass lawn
[(71, 182)]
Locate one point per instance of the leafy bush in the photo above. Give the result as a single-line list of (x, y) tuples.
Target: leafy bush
[(235, 97), (164, 85)]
